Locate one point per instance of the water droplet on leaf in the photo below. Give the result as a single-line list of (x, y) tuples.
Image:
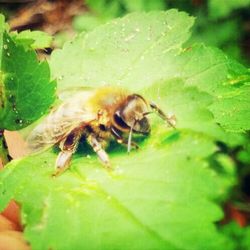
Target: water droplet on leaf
[(129, 37), (19, 121)]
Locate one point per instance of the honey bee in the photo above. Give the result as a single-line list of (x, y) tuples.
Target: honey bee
[(96, 115)]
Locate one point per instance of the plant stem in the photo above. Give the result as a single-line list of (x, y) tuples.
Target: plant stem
[(4, 152)]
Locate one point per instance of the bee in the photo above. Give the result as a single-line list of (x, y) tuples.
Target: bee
[(96, 115)]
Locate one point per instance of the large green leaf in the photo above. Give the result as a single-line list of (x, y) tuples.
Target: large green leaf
[(137, 50), (157, 198), (165, 195), (25, 85)]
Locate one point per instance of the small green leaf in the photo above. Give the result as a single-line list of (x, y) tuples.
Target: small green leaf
[(86, 22), (25, 85), (33, 39)]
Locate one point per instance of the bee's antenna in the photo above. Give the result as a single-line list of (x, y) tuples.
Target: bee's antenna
[(147, 113), (170, 119)]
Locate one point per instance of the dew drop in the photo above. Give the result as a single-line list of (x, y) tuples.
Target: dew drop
[(8, 54), (119, 170), (5, 46), (19, 121), (88, 156), (8, 40), (128, 38)]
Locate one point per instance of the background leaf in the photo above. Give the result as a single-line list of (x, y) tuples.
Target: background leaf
[(34, 39), (220, 9), (24, 83)]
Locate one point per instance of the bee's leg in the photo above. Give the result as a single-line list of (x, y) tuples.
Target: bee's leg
[(170, 119), (68, 147), (97, 147), (122, 140)]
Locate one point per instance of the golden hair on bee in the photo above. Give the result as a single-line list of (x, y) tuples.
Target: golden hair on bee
[(97, 116)]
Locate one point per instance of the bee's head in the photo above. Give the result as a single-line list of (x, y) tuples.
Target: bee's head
[(132, 114)]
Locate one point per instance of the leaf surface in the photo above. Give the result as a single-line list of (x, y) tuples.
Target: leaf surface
[(24, 83), (154, 199)]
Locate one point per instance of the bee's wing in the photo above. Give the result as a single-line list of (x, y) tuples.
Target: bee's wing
[(59, 123), (67, 93)]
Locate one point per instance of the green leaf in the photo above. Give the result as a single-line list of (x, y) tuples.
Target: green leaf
[(105, 9), (227, 34), (173, 96), (33, 39), (240, 235), (86, 22), (220, 9), (154, 195), (226, 80), (145, 42), (24, 83)]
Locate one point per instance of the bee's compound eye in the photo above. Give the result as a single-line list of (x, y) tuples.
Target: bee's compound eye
[(119, 121)]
